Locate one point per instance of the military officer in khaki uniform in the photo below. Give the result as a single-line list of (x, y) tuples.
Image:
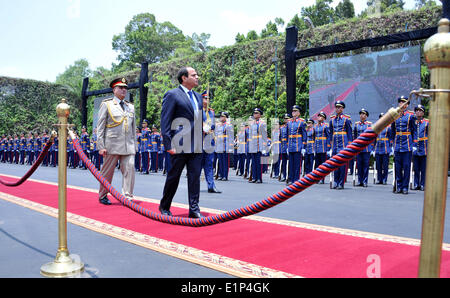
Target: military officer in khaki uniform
[(116, 131)]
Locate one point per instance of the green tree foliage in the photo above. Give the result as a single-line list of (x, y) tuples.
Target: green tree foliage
[(71, 76), (146, 40), (320, 13), (27, 105), (344, 10)]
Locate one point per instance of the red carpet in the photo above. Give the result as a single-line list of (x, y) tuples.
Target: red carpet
[(296, 251), (342, 97)]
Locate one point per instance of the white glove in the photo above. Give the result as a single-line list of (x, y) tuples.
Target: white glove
[(329, 152), (303, 151), (372, 153)]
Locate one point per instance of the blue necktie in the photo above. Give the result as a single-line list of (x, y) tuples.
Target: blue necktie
[(191, 96)]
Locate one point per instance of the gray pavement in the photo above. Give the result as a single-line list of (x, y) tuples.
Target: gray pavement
[(29, 238)]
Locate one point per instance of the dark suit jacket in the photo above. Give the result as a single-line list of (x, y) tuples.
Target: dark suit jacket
[(179, 126)]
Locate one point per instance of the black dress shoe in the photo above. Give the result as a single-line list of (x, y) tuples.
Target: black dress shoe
[(252, 181), (195, 215), (104, 201), (405, 191), (165, 212), (214, 190), (258, 181)]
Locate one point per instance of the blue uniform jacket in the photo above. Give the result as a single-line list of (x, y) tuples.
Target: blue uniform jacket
[(284, 138), (155, 141), (297, 135), (340, 131), (310, 140), (257, 137), (404, 132), (242, 142), (224, 138), (383, 144), (322, 141), (144, 143), (359, 128), (421, 140)]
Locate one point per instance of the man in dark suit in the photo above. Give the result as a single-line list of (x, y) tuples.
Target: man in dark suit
[(181, 129)]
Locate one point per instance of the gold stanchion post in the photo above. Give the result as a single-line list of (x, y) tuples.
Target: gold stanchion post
[(63, 265), (437, 55)]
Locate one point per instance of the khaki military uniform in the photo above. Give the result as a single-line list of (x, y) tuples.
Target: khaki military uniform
[(116, 131)]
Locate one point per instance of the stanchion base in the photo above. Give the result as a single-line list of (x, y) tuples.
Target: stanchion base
[(62, 266)]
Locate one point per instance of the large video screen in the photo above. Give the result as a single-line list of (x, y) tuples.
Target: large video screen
[(372, 81)]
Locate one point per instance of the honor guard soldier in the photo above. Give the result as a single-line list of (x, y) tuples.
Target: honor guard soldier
[(30, 151), (155, 140), (265, 156), (363, 158), (71, 154), (275, 150), (2, 149), (22, 148), (341, 135), (296, 144), (85, 145), (44, 140), (383, 148), (137, 157), (54, 155), (37, 145), (241, 140), (322, 141), (224, 145), (248, 158), (209, 143), (403, 133), (145, 147), (51, 153), (309, 150), (94, 149), (420, 148), (257, 144), (161, 156), (10, 149), (284, 148), (16, 148)]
